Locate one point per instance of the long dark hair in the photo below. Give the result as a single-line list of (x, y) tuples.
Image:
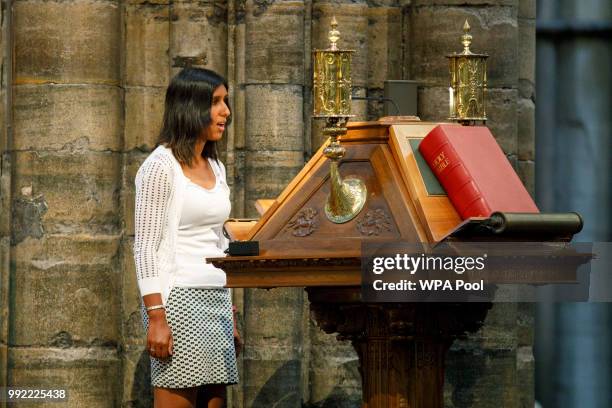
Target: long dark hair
[(187, 112)]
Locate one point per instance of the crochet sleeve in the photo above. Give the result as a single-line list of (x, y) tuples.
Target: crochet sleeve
[(153, 186)]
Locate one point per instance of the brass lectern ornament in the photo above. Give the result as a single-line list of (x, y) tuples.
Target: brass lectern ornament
[(332, 102), (468, 83)]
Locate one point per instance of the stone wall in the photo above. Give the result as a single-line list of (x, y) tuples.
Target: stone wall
[(81, 109)]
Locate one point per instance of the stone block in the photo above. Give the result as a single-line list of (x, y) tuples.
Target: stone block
[(147, 41), (267, 173), (274, 336), (333, 371), (498, 333), (144, 112), (60, 117), (133, 160), (5, 271), (65, 291), (420, 3), (526, 172), (499, 329), (83, 49), (238, 185), (502, 118), (317, 136), (199, 32), (433, 103), (272, 323), (526, 129), (274, 117), (137, 389), (239, 112), (80, 190), (384, 45), (526, 89), (527, 9), (275, 43), (3, 133), (272, 383), (376, 108), (494, 31), (133, 329), (5, 194), (481, 379), (525, 369), (359, 107), (353, 26), (90, 375), (527, 49), (526, 324)]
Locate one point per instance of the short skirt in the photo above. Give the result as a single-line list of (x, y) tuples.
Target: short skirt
[(203, 334)]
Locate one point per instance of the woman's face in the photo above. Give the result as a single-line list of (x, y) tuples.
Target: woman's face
[(219, 112)]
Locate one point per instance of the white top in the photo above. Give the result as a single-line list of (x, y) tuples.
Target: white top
[(203, 210), (160, 190)]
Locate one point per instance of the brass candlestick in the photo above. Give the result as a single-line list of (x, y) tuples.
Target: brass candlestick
[(332, 102), (468, 83)]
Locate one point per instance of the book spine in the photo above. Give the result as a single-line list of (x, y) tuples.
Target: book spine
[(461, 189)]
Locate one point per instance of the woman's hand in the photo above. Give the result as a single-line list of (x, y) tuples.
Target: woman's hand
[(159, 335)]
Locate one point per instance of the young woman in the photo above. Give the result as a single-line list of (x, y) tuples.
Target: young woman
[(182, 200)]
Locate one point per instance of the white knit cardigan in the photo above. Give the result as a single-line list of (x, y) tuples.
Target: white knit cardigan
[(160, 187)]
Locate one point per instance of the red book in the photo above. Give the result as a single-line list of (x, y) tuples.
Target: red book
[(474, 171)]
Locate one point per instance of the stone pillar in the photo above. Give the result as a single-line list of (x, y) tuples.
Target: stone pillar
[(385, 51), (482, 368), (6, 51), (274, 153), (525, 362), (145, 77), (65, 271), (198, 37), (526, 87)]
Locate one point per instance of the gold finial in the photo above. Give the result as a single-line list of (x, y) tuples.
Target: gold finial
[(334, 35), (466, 39)]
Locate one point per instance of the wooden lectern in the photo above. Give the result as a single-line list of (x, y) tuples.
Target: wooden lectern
[(401, 346)]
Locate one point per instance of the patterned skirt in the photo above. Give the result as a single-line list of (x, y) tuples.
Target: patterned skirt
[(203, 333)]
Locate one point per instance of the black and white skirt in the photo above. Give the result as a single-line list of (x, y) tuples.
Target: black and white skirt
[(203, 334)]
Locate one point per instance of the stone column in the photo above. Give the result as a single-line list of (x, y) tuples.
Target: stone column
[(497, 358), (6, 51), (385, 51), (198, 37), (525, 362), (145, 76), (274, 143), (65, 274)]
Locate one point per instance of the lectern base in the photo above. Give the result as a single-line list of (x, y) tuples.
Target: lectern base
[(401, 346)]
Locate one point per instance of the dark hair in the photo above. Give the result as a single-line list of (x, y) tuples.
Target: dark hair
[(187, 112)]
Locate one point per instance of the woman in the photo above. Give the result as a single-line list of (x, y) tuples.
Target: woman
[(182, 200)]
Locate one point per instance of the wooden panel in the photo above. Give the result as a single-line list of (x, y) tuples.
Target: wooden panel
[(294, 277), (239, 230), (437, 214), (325, 228), (317, 160), (263, 205), (312, 192), (397, 196)]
